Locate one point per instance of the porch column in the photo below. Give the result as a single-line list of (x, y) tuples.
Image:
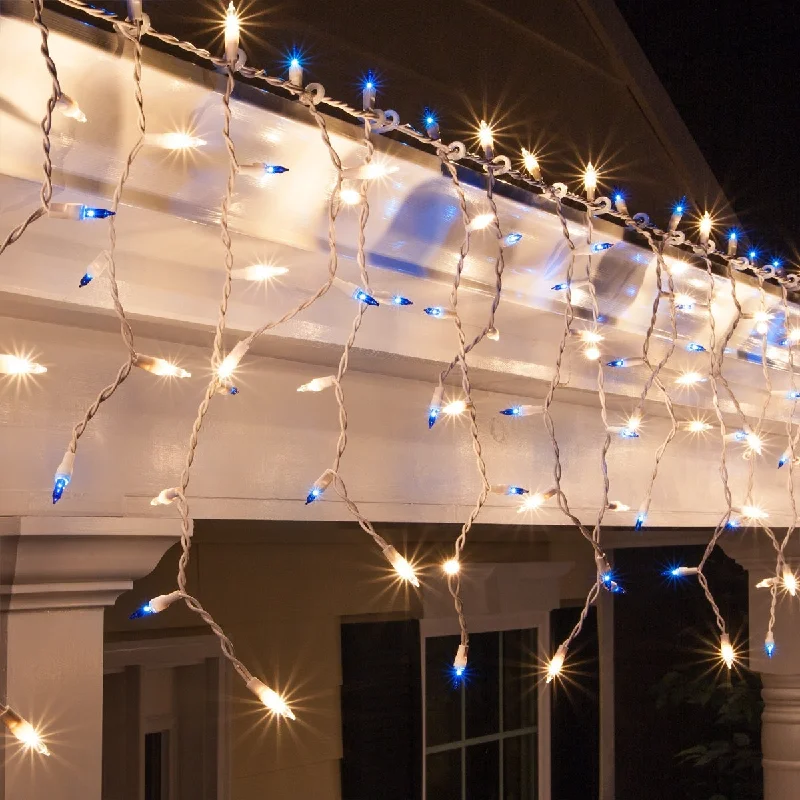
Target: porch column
[(780, 730), (56, 576)]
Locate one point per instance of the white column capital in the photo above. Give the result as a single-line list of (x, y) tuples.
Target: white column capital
[(54, 562)]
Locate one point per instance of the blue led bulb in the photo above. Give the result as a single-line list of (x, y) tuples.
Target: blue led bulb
[(233, 390), (628, 433), (769, 646), (512, 239), (733, 522), (679, 208), (363, 297), (434, 311), (512, 490), (433, 415), (144, 611), (619, 198), (398, 300), (85, 280), (783, 460), (514, 411), (609, 584), (295, 62), (740, 436), (275, 169), (695, 347), (95, 213), (313, 495), (559, 287), (599, 247), (752, 255), (61, 482), (793, 394), (641, 518), (617, 362)]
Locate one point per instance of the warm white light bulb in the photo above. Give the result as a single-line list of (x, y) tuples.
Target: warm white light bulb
[(23, 731), (536, 500), (175, 140), (689, 379), (368, 172), (231, 34), (726, 650), (16, 365), (789, 581), (591, 337), (766, 583), (592, 353), (794, 335), (590, 180), (160, 366), (455, 408), (451, 566), (349, 196), (485, 135), (69, 108), (617, 505), (531, 164), (685, 302), (754, 442), (556, 663), (165, 497), (401, 566), (752, 512), (258, 272), (706, 223), (479, 222), (271, 699), (762, 320), (318, 384), (231, 361), (696, 426)]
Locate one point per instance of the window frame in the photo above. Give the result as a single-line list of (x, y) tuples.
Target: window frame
[(492, 623)]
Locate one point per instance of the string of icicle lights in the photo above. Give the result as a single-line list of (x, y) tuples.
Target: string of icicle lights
[(351, 188)]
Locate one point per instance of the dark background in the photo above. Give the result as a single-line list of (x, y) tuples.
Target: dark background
[(730, 67)]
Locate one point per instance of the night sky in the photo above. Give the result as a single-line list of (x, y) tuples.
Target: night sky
[(730, 66)]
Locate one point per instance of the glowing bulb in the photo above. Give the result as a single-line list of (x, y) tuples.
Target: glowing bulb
[(451, 566), (16, 365), (592, 249), (531, 164), (460, 661), (401, 566), (536, 500), (677, 214), (77, 211), (259, 169), (733, 243), (556, 663), (160, 366), (175, 140), (609, 584), (431, 124), (440, 313), (769, 644), (626, 362), (617, 505), (684, 302), (156, 605), (752, 512), (165, 497), (455, 408), (641, 518), (508, 489), (318, 384), (785, 456), (794, 335), (689, 379), (754, 442), (591, 337), (590, 180), (435, 406), (726, 650), (231, 361), (63, 475), (512, 239), (356, 292), (272, 700), (320, 485), (69, 108), (619, 202), (706, 223), (349, 196), (789, 582), (682, 572), (696, 426), (592, 353), (368, 172), (479, 222), (762, 320), (258, 272), (23, 731), (295, 71), (486, 137), (695, 347), (368, 91), (522, 411), (231, 34)]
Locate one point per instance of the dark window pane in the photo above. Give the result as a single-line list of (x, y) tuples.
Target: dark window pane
[(153, 765), (519, 768), (483, 771), (443, 779), (443, 696), (519, 679), (483, 685)]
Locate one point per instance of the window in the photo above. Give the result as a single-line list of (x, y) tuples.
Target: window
[(481, 734)]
